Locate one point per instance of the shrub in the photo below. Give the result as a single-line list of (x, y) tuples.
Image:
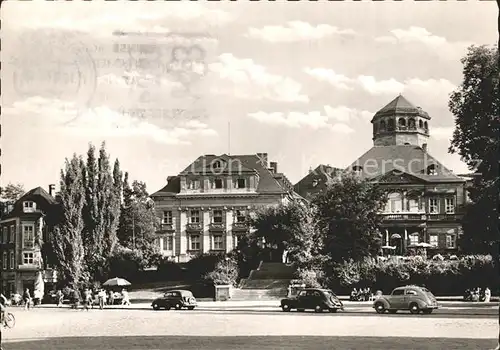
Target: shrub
[(224, 273)]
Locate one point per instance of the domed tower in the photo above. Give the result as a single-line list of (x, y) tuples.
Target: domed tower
[(401, 123)]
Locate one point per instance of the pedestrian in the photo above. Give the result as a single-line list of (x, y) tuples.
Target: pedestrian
[(88, 299), (487, 295), (60, 298), (27, 299), (102, 298), (76, 299), (111, 298), (125, 298)]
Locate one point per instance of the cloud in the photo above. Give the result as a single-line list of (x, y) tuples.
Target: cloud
[(103, 122), (442, 133), (374, 87), (252, 81), (295, 31), (345, 114), (314, 120), (419, 35), (439, 88), (324, 74)]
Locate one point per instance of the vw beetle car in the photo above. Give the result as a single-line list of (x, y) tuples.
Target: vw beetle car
[(176, 299), (313, 298), (414, 298)]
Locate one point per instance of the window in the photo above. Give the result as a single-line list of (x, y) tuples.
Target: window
[(29, 206), (28, 236), (218, 243), (410, 292), (451, 241), (4, 234), (398, 292), (315, 183), (236, 240), (217, 164), (433, 240), (240, 216), (414, 239), (28, 259), (218, 183), (12, 233), (217, 216), (402, 122), (394, 203), (432, 169), (4, 261), (195, 242), (12, 261), (449, 205), (241, 183), (382, 125), (390, 125), (167, 217), (413, 205), (433, 206), (168, 243), (426, 126), (357, 169), (411, 123), (194, 185), (420, 124), (195, 216)]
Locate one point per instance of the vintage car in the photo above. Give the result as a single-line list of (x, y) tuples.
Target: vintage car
[(313, 298), (176, 299), (414, 298)]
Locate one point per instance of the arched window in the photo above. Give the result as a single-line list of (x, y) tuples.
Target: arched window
[(390, 125), (420, 124), (357, 169), (394, 203), (402, 122), (411, 123), (432, 169), (375, 128), (382, 125), (217, 164), (426, 126)]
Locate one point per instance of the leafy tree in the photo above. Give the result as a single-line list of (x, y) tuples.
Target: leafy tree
[(67, 239), (346, 214), (476, 107), (138, 221), (12, 192), (225, 272)]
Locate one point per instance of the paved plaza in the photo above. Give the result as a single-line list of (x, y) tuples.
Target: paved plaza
[(215, 328)]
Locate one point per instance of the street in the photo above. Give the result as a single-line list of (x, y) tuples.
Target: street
[(136, 328)]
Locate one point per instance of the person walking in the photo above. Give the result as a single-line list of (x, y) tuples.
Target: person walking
[(76, 299), (125, 298), (102, 298), (27, 299), (88, 299), (111, 299), (60, 298)]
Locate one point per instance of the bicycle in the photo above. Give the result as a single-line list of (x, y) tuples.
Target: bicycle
[(9, 320)]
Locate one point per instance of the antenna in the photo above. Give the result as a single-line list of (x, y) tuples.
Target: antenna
[(228, 138)]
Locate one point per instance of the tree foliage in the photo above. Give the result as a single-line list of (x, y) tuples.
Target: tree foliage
[(346, 215), (11, 192), (67, 236), (225, 272), (476, 107)]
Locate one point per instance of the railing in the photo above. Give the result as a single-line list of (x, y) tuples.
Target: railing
[(167, 227), (240, 226), (420, 217), (413, 217), (217, 226), (443, 217), (194, 226)]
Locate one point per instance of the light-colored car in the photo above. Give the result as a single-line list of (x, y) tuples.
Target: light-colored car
[(413, 298)]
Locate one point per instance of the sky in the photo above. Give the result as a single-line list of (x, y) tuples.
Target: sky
[(163, 83)]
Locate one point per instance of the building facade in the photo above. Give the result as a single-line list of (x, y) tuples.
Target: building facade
[(205, 208), (25, 228), (425, 199)]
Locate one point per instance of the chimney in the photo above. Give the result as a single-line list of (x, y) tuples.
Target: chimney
[(274, 166), (262, 159), (52, 189), (424, 147)]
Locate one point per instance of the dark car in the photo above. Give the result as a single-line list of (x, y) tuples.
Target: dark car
[(313, 298), (414, 298), (176, 299)]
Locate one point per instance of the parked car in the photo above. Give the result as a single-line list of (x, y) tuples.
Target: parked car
[(176, 299), (414, 298), (313, 298)]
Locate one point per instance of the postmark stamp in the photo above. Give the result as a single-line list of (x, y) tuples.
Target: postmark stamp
[(54, 64)]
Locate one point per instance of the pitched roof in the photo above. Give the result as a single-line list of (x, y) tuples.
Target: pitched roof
[(401, 105), (412, 160), (231, 164), (316, 180), (38, 191)]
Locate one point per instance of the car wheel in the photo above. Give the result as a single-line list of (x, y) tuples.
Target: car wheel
[(190, 307), (380, 308), (393, 311), (285, 307), (178, 306), (318, 308), (427, 311), (156, 306), (167, 308), (414, 309)]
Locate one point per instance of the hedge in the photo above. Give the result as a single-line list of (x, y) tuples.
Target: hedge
[(448, 277)]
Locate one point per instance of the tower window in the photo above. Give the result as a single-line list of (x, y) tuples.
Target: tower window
[(411, 123), (390, 125), (382, 125), (426, 126), (420, 124), (432, 169), (357, 169), (402, 122)]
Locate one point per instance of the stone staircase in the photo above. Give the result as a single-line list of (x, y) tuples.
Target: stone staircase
[(269, 281)]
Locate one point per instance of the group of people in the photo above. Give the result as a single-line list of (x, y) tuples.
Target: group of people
[(89, 296), (361, 294), (477, 294)]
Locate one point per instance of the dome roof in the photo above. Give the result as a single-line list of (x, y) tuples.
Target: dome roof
[(400, 105)]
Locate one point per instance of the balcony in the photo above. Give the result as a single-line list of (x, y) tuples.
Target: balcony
[(167, 228), (444, 217), (240, 226), (217, 226), (194, 227), (28, 267), (403, 217)]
